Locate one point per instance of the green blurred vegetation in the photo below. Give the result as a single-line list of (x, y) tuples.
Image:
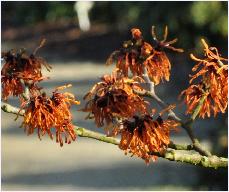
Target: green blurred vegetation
[(32, 12), (189, 21)]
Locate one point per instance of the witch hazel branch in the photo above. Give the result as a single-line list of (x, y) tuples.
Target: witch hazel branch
[(118, 102)]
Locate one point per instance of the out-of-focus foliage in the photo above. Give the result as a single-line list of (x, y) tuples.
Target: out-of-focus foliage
[(213, 14), (30, 13), (183, 18)]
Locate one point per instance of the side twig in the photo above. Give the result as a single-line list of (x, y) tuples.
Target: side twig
[(10, 109), (185, 125)]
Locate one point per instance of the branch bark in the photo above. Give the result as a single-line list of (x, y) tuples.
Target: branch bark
[(175, 152), (196, 159), (25, 94), (11, 109), (82, 132)]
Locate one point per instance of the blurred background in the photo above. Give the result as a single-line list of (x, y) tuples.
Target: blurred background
[(80, 36)]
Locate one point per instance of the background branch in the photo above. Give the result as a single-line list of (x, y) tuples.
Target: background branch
[(175, 152), (186, 125)]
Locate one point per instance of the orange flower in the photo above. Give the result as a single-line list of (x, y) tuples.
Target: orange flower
[(11, 86), (212, 67), (213, 85), (157, 64), (145, 136), (158, 67), (44, 113), (193, 95), (136, 33), (20, 69), (112, 98), (137, 54)]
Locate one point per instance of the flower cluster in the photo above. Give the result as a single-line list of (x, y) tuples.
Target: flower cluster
[(112, 98), (21, 69), (137, 55), (44, 113), (145, 137), (212, 87), (116, 102)]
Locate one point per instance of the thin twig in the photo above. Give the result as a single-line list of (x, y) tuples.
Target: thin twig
[(82, 132)]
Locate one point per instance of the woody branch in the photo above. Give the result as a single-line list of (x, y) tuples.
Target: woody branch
[(175, 152), (25, 94)]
